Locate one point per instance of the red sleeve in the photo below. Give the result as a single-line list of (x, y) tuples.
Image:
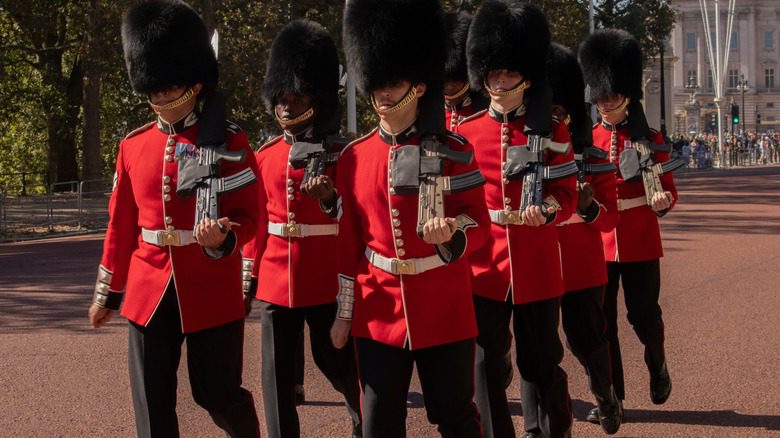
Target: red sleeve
[(605, 194), (123, 230), (564, 190), (241, 205), (667, 180), (254, 249), (350, 243)]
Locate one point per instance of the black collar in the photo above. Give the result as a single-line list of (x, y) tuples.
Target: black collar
[(306, 134), (617, 127), (466, 101), (506, 117), (178, 127), (399, 138)]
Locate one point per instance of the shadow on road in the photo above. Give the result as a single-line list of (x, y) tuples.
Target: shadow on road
[(723, 418)]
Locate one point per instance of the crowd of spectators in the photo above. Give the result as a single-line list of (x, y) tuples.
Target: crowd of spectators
[(749, 149)]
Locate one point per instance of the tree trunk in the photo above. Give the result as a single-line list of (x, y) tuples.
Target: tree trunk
[(92, 158)]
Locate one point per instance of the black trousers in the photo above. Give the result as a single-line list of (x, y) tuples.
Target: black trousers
[(582, 318), (641, 290), (214, 362), (539, 353), (446, 375), (282, 328)]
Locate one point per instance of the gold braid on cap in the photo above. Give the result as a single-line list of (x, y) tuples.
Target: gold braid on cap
[(410, 95), (184, 98), (522, 86), (619, 108), (286, 123), (459, 94)]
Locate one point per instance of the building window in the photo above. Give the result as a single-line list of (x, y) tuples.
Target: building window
[(733, 78), (770, 104), (691, 39), (769, 78), (710, 81), (691, 74), (769, 40), (733, 44)]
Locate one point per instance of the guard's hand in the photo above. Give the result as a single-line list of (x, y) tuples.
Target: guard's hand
[(661, 201), (534, 217), (439, 230), (585, 197), (320, 187), (339, 332), (211, 234), (99, 316), (248, 298)]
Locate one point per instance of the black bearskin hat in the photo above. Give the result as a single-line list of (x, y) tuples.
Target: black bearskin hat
[(565, 76), (458, 29), (508, 34), (167, 44), (612, 64), (304, 61), (388, 41)]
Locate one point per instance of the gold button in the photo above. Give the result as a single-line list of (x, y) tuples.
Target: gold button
[(396, 222), (390, 180), (507, 200), (166, 188), (290, 181), (170, 141), (504, 138), (506, 181), (290, 197), (401, 252), (170, 228), (395, 212), (399, 242), (291, 215), (290, 189), (397, 232), (392, 191), (167, 198), (505, 130), (166, 179), (169, 149), (169, 158), (504, 145), (168, 219), (291, 222)]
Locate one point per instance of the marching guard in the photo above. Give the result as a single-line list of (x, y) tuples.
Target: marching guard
[(528, 163), (173, 256), (293, 258), (612, 66), (412, 208)]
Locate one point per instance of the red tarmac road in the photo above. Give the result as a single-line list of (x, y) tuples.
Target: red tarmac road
[(720, 299)]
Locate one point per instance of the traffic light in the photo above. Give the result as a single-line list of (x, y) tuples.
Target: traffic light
[(735, 114)]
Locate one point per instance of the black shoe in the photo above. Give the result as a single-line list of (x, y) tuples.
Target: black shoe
[(660, 386), (300, 395), (610, 417), (534, 434), (593, 416)]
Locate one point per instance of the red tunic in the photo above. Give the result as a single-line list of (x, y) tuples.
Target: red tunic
[(144, 196), (291, 271), (637, 236), (582, 253), (455, 114), (517, 257), (431, 308)]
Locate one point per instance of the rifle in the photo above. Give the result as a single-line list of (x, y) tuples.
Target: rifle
[(314, 158), (585, 169), (433, 186), (527, 162), (638, 160)]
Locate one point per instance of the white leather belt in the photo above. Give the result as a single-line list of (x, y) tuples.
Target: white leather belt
[(168, 238), (302, 230), (505, 217), (626, 204), (574, 219), (405, 266)]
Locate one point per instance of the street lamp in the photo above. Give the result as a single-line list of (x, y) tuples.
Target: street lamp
[(691, 86), (742, 87), (692, 107)]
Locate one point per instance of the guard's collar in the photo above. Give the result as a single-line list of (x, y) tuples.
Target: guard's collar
[(463, 103), (507, 117), (176, 127), (616, 127), (306, 134), (400, 138)]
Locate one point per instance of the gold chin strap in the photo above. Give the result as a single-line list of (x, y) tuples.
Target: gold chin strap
[(619, 108), (410, 95), (455, 97), (184, 98), (286, 123), (522, 86)]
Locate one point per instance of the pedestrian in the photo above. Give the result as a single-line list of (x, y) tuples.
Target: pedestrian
[(517, 274), (612, 65), (405, 286), (582, 253), (180, 279), (293, 258)]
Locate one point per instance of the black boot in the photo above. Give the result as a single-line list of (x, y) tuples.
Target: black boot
[(652, 336), (608, 412), (660, 385)]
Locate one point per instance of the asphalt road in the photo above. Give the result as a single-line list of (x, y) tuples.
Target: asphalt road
[(721, 307)]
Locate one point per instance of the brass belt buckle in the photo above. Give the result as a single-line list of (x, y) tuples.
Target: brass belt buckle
[(293, 230), (405, 267), (171, 238), (511, 218)]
